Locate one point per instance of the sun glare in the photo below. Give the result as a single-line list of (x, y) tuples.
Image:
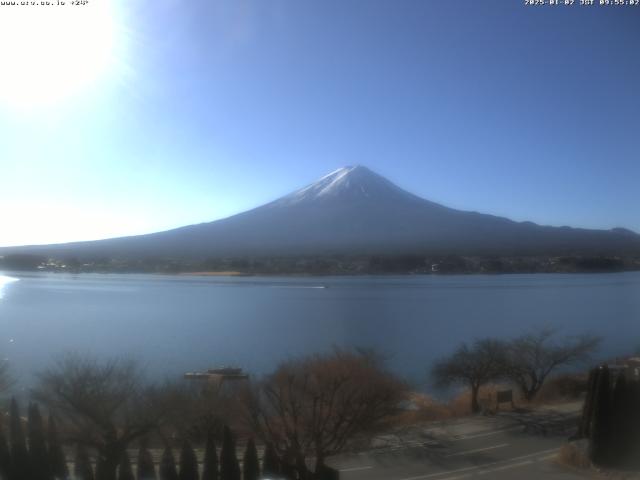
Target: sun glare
[(51, 50)]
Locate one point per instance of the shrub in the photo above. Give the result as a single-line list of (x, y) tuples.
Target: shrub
[(57, 459), (19, 455), (563, 387), (40, 469), (270, 461), (146, 468), (125, 472), (210, 462), (82, 466), (251, 466), (168, 469), (188, 462), (229, 468)]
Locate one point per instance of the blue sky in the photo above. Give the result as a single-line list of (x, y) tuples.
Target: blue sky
[(168, 113)]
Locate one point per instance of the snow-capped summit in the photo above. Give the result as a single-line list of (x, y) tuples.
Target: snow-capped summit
[(346, 183)]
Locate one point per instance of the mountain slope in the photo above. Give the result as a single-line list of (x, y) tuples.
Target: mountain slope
[(354, 210)]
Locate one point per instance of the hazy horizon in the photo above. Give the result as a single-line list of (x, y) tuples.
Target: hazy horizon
[(292, 192)]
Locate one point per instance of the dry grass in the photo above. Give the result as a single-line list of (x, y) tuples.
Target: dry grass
[(427, 409), (559, 389), (562, 388), (573, 456), (424, 409), (617, 475)]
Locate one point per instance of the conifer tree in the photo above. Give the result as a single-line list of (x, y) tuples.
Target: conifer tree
[(82, 469), (168, 465), (5, 457), (146, 468), (270, 461), (624, 447), (38, 454), (210, 462), (634, 422), (287, 468), (250, 464), (188, 462), (125, 472), (587, 408), (101, 468), (19, 453), (229, 467), (600, 443), (57, 460)]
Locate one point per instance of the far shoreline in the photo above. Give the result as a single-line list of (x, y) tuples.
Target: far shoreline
[(237, 274), (213, 274)]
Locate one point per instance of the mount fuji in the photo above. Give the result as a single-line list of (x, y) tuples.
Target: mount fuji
[(353, 211)]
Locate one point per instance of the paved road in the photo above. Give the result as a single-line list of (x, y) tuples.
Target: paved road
[(506, 446)]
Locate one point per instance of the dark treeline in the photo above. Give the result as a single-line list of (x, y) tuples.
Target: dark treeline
[(39, 455), (329, 264), (106, 421)]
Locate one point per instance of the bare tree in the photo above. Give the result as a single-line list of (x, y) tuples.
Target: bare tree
[(532, 357), (195, 411), (472, 366), (313, 407), (104, 405), (6, 381)]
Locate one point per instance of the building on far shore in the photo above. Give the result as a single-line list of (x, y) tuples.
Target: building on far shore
[(218, 376)]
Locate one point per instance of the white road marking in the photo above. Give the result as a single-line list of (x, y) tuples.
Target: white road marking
[(491, 470), (355, 469), (483, 466), (506, 467), (477, 450), (547, 457), (486, 434)]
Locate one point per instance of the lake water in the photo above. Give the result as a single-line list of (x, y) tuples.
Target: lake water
[(175, 324)]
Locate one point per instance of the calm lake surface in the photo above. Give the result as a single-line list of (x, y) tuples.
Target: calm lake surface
[(175, 324)]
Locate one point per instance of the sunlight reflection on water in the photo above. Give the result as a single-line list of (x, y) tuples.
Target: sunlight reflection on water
[(5, 281)]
